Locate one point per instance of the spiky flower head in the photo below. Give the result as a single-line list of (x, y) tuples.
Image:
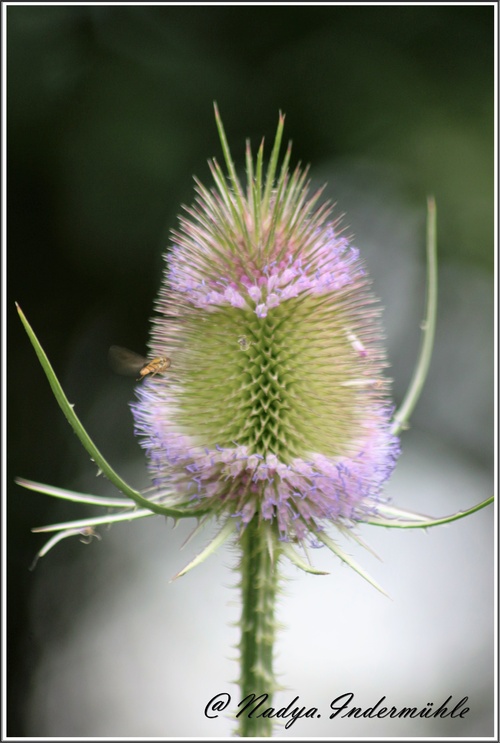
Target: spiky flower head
[(275, 407)]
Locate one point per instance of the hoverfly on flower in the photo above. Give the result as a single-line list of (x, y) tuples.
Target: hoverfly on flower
[(128, 362)]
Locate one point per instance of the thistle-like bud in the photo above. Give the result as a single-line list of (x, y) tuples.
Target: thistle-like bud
[(275, 406)]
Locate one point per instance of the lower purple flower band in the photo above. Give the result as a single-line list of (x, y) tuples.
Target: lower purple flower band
[(300, 495)]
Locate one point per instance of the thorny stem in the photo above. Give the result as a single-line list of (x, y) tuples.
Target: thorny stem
[(259, 584)]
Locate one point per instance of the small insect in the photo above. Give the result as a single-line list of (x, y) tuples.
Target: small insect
[(244, 343), (124, 361)]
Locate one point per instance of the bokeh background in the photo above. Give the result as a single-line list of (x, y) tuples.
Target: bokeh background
[(109, 117)]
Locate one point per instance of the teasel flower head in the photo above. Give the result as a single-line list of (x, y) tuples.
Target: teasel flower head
[(275, 407)]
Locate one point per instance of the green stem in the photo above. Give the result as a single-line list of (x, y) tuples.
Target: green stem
[(402, 416), (425, 524), (259, 585)]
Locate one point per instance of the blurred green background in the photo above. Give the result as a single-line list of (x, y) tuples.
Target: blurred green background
[(110, 115)]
